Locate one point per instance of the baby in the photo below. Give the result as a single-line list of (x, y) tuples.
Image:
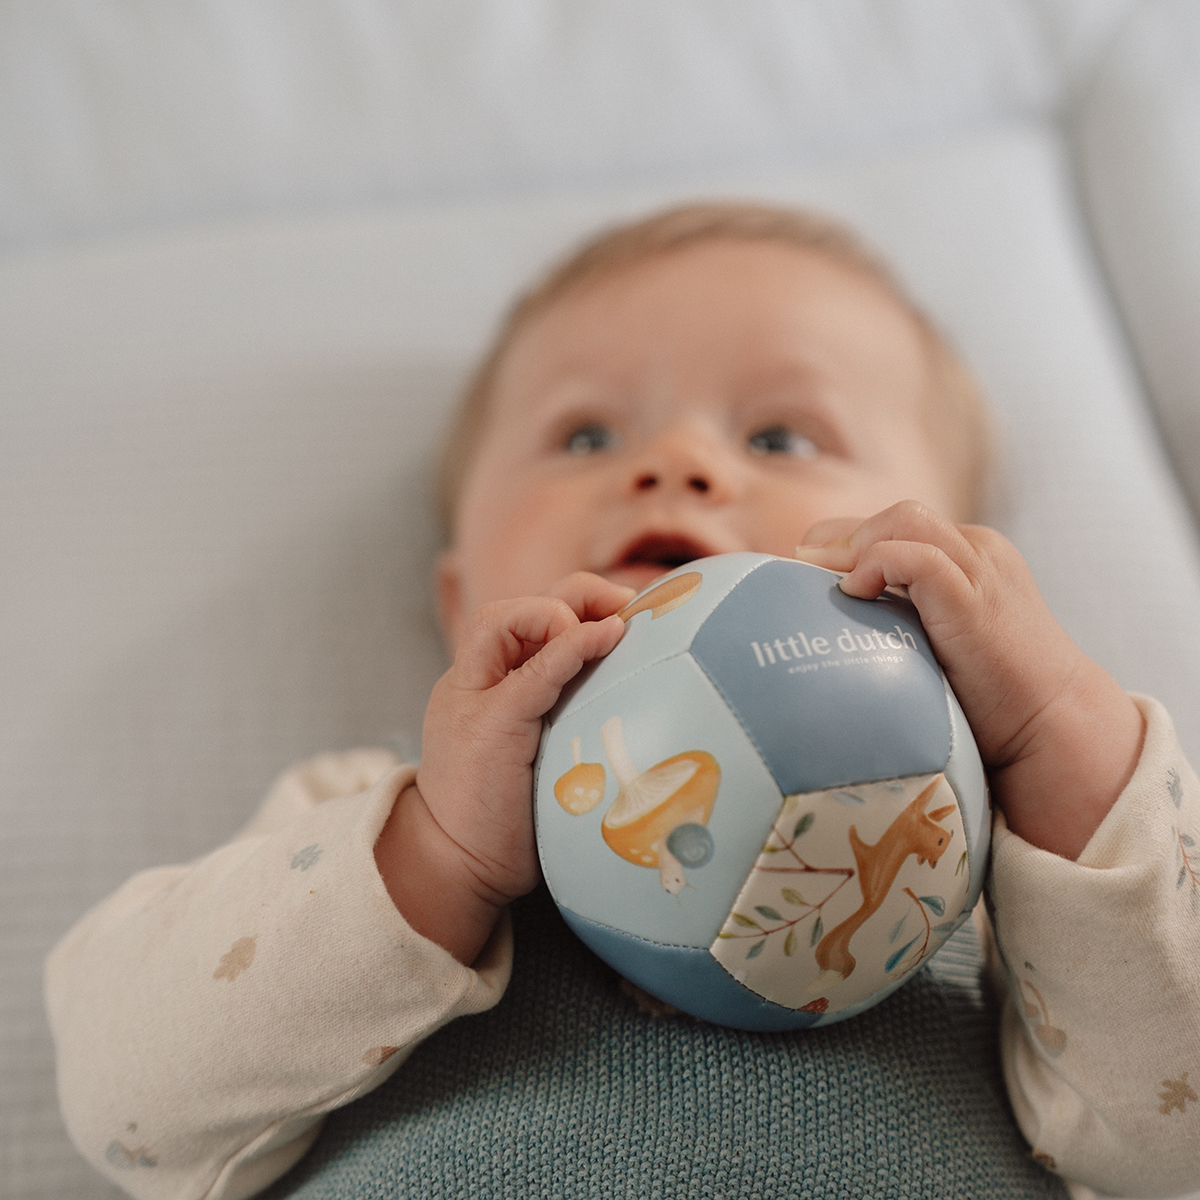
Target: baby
[(715, 378)]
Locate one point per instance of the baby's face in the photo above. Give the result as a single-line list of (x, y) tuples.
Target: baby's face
[(722, 397)]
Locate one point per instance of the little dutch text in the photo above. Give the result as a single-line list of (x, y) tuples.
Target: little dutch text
[(797, 646)]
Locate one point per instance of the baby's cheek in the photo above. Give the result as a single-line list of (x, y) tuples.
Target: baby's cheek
[(782, 527), (521, 559)]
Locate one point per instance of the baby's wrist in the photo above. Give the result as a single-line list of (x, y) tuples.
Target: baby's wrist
[(427, 880), (1056, 796)]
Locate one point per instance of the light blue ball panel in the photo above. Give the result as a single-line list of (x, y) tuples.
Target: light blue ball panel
[(649, 639), (666, 710), (832, 690), (965, 774)]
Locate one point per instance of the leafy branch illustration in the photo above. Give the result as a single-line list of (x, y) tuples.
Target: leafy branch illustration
[(752, 928), (935, 905), (1174, 787), (1189, 867)]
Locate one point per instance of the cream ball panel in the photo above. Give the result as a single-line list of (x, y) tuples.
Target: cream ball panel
[(855, 888)]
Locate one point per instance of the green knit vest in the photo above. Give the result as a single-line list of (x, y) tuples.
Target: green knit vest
[(565, 1089)]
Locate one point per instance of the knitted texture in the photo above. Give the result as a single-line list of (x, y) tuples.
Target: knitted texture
[(565, 1089)]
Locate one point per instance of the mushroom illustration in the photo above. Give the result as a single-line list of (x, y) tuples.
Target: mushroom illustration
[(580, 788), (651, 805)]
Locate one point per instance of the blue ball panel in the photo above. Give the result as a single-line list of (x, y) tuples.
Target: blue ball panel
[(687, 977), (832, 690)]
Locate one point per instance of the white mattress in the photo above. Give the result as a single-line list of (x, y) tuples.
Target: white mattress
[(215, 436)]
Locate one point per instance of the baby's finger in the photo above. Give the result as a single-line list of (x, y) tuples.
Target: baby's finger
[(592, 597), (907, 521), (826, 531), (943, 593), (497, 638), (922, 568), (533, 690)]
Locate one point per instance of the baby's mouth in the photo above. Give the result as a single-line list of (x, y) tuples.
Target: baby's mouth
[(653, 555)]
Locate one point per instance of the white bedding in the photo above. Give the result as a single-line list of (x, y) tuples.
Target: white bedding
[(215, 436)]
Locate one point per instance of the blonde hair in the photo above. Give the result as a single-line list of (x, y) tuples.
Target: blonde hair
[(956, 420)]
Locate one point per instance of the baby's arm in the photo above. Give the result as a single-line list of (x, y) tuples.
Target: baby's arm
[(459, 844), (1059, 736), (1094, 904), (1101, 1033), (207, 1016)]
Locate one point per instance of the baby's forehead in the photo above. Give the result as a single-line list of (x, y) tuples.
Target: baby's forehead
[(767, 306), (716, 258)]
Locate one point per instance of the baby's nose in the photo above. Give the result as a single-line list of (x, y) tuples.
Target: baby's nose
[(698, 482), (680, 463)]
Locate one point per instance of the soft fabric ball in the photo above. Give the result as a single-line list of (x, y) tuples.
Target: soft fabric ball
[(765, 806)]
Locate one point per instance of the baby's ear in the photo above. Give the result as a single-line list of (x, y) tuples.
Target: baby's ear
[(447, 576)]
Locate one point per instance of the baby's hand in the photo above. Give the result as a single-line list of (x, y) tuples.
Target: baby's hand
[(460, 843), (1059, 736)]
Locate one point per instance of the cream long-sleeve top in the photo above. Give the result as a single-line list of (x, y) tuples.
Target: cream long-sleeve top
[(208, 1016)]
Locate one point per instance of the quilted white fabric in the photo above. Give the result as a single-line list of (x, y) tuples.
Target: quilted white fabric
[(122, 114), (214, 437)]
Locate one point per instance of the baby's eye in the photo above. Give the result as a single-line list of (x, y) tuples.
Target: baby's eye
[(779, 439), (587, 439)]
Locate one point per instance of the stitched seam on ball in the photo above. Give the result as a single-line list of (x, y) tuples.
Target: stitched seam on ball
[(570, 712), (737, 716), (953, 746)]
